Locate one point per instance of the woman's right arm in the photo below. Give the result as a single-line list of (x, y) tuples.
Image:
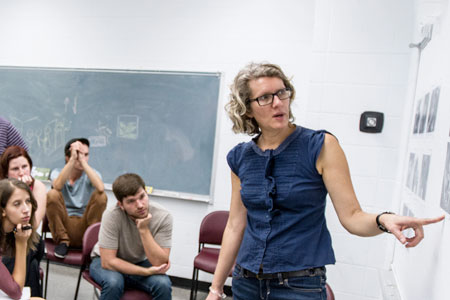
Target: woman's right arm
[(13, 285), (232, 238), (20, 263)]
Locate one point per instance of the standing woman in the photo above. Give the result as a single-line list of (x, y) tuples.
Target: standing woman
[(280, 180), (17, 235), (16, 163)]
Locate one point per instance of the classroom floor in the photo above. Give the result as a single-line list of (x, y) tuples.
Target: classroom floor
[(63, 281)]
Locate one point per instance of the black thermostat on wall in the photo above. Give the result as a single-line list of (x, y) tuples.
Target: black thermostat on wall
[(371, 122)]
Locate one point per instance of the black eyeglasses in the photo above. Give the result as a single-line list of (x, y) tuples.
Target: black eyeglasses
[(267, 99)]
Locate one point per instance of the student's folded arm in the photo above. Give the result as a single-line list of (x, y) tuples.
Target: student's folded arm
[(110, 261), (156, 254), (63, 176), (93, 177), (20, 262)]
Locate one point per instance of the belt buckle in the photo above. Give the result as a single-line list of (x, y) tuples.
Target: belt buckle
[(262, 276)]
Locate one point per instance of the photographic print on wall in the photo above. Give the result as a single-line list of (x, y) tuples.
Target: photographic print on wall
[(445, 193), (407, 212), (409, 179), (426, 158), (433, 109), (426, 112), (415, 175), (418, 170), (417, 117), (423, 113)]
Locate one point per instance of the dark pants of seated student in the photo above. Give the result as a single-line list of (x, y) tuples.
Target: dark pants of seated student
[(32, 278), (70, 229), (114, 283)]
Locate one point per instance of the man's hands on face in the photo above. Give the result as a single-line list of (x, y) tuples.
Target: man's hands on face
[(74, 149), (142, 224), (76, 152)]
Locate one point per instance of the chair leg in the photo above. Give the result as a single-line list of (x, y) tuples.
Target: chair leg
[(78, 283), (41, 281), (196, 284), (193, 285), (96, 293), (46, 278), (42, 287)]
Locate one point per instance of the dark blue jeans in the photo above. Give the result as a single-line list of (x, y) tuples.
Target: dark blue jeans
[(294, 288), (113, 283)]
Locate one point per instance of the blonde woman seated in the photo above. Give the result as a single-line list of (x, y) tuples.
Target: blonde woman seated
[(16, 163), (17, 235)]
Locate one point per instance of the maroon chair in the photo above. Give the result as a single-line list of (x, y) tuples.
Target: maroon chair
[(330, 294), (211, 232), (90, 238), (73, 257)]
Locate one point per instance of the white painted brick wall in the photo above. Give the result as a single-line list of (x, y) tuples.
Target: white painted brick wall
[(361, 62)]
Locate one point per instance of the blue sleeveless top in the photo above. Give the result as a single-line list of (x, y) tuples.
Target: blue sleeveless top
[(285, 198)]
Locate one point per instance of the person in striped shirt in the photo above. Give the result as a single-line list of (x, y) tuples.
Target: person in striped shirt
[(10, 136)]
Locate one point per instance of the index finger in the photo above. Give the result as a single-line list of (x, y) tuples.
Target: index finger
[(427, 221)]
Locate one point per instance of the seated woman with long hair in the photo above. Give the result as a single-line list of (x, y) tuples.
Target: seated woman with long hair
[(16, 163), (17, 235)]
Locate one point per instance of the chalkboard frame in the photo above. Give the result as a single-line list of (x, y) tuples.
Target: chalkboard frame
[(155, 191)]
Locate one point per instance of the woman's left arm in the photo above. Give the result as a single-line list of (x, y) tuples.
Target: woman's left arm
[(333, 166), (40, 194), (8, 285)]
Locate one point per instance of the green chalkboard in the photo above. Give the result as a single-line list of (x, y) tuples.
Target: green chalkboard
[(158, 124)]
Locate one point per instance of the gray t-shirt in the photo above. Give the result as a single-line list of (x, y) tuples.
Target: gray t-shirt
[(119, 232), (76, 196)]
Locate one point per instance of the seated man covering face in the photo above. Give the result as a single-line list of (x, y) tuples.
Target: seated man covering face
[(134, 244), (77, 198)]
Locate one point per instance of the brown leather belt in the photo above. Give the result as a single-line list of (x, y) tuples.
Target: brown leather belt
[(319, 271)]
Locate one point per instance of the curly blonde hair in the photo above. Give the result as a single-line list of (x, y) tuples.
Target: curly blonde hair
[(239, 104)]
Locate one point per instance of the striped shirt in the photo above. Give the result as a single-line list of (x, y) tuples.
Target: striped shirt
[(9, 136)]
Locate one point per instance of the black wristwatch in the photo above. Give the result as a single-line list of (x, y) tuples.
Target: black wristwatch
[(381, 226)]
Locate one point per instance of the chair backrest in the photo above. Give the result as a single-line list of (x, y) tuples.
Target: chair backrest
[(212, 227), (90, 238)]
